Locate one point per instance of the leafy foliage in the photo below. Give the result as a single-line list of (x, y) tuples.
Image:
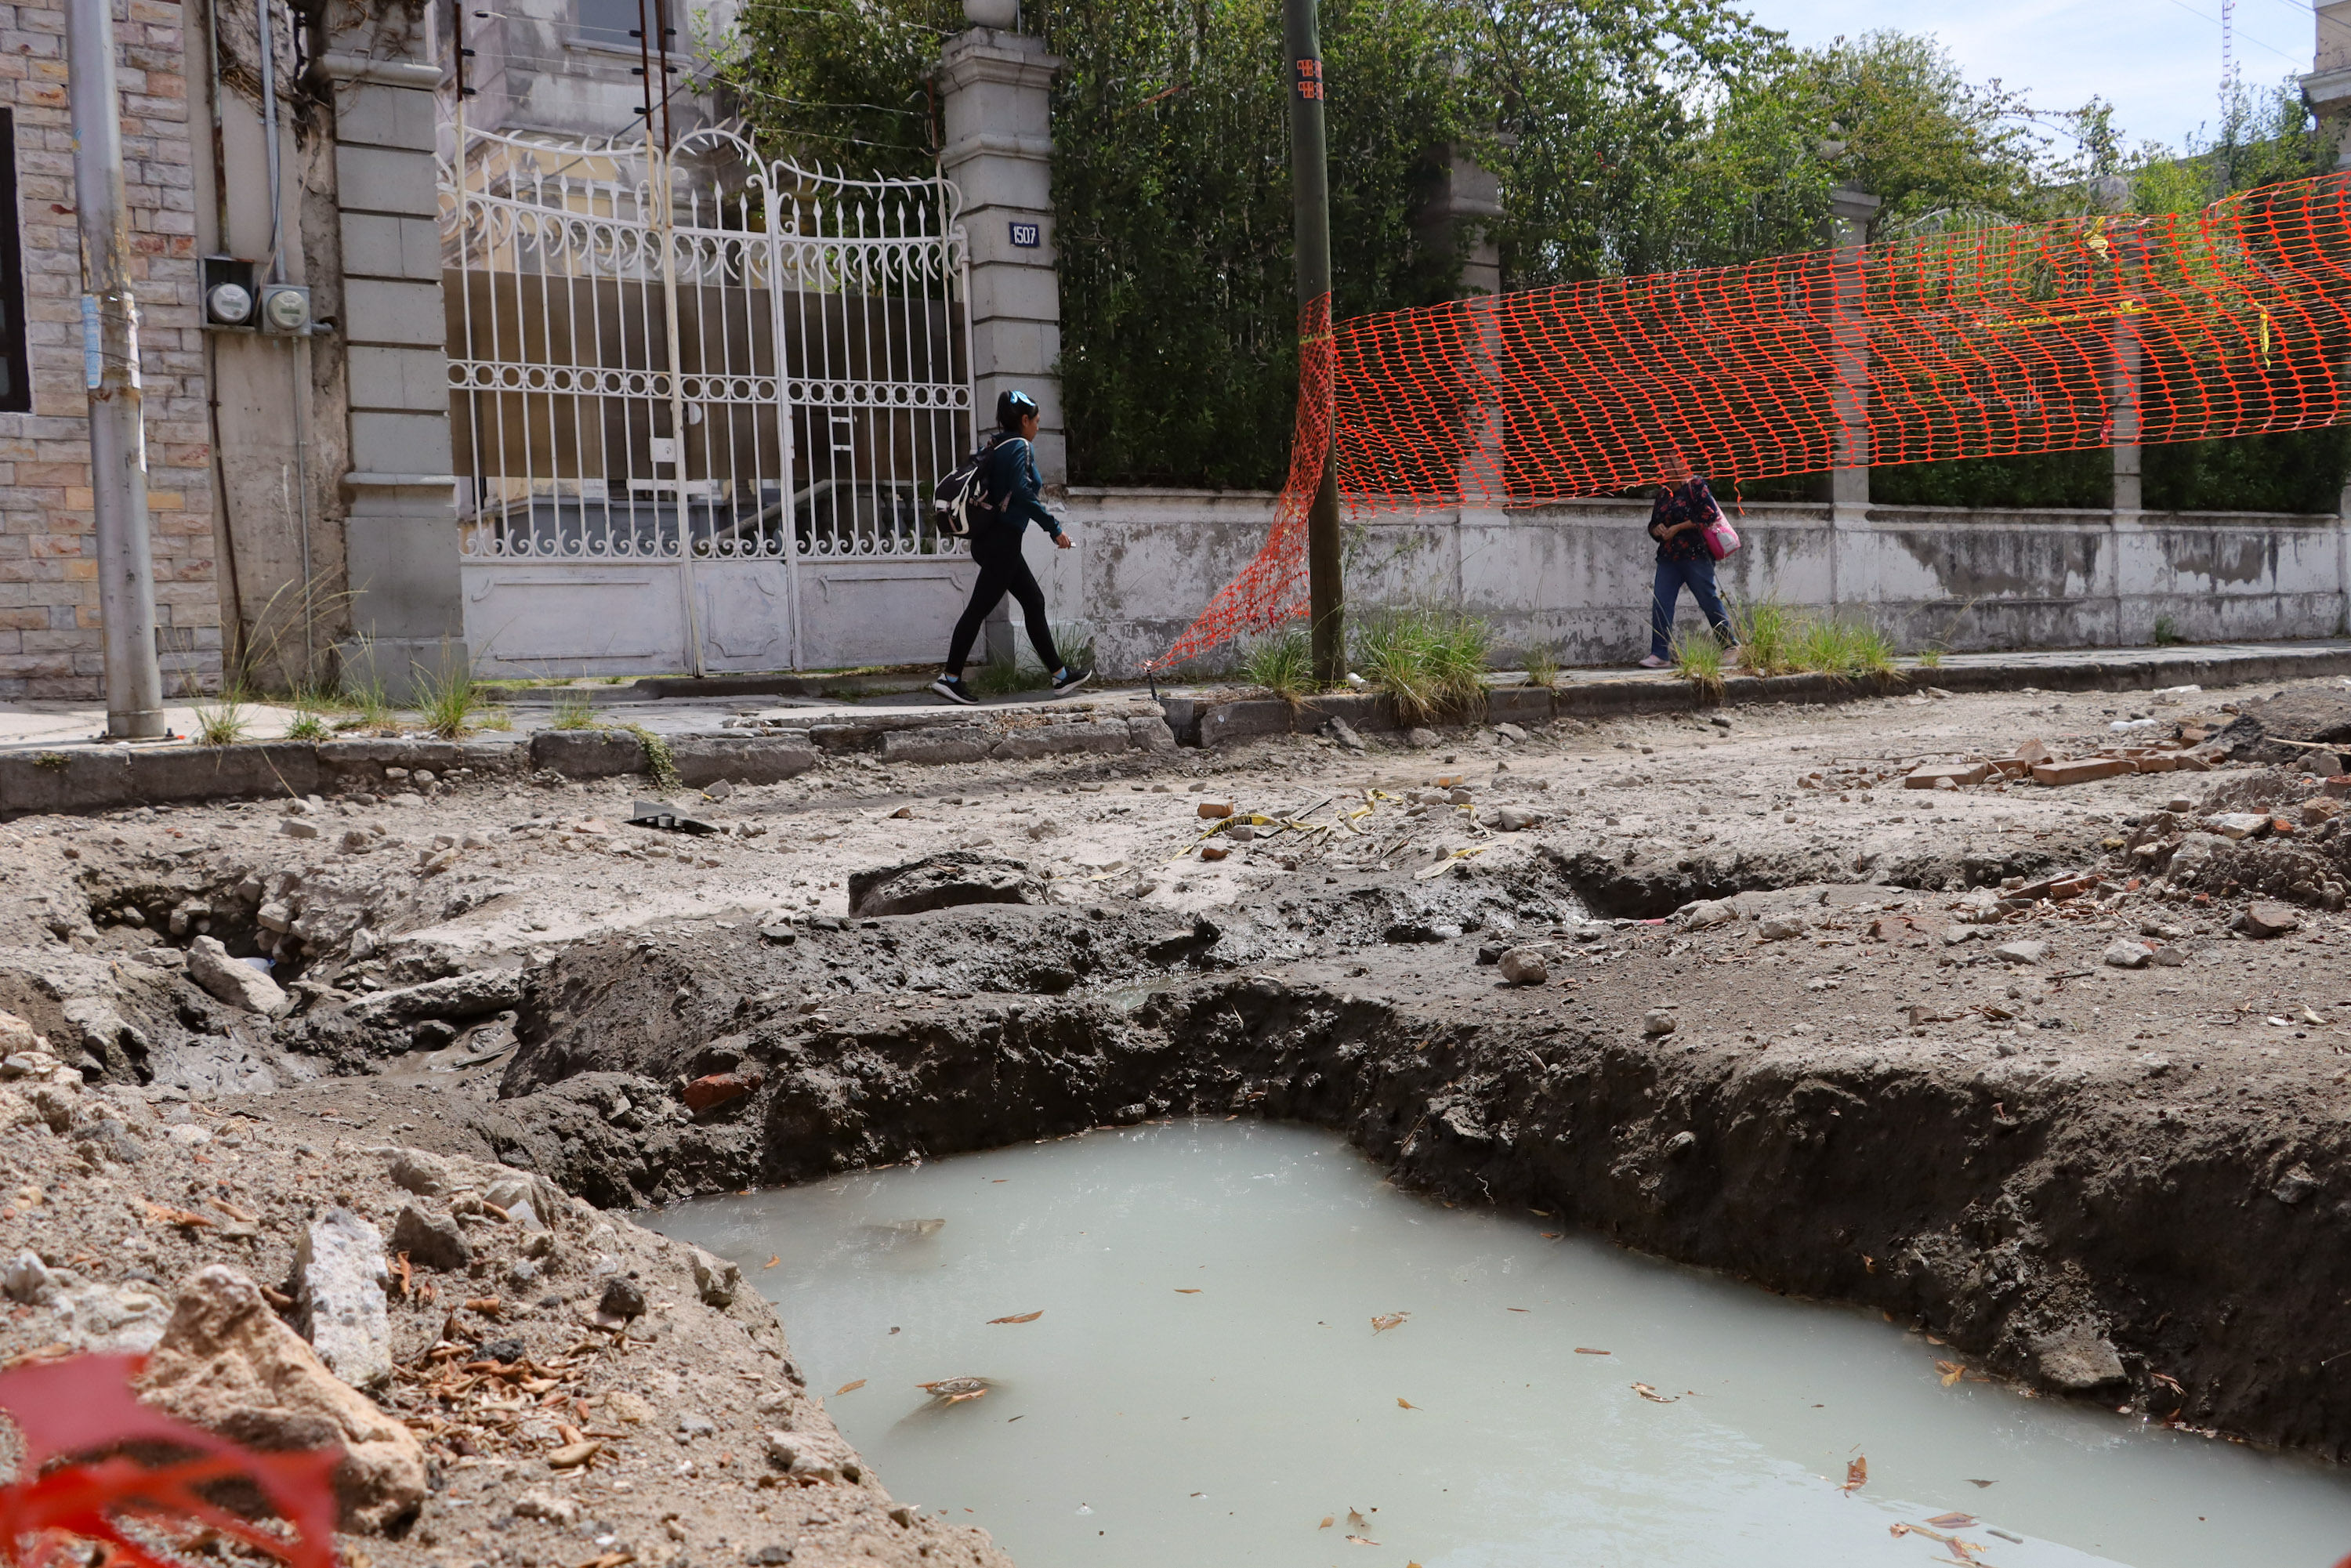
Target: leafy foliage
[(1629, 136)]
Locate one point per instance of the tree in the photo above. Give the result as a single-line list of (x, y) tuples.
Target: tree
[(1631, 136)]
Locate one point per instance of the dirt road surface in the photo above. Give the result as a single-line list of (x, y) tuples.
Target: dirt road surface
[(2057, 1076)]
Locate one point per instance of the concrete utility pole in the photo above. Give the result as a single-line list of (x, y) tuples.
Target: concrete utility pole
[(109, 351), (1310, 184)]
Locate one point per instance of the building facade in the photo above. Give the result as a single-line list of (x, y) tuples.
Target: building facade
[(50, 639)]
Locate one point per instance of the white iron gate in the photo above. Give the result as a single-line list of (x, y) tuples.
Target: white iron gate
[(698, 402)]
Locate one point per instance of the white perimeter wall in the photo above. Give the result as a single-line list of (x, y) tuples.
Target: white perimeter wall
[(1576, 578)]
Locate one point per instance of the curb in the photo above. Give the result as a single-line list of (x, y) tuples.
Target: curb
[(1210, 721), (104, 779)]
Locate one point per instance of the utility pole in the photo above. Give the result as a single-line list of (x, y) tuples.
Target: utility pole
[(110, 356), (1310, 185)]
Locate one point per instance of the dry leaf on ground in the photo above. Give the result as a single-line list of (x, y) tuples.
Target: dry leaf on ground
[(1952, 1520), (1361, 1541), (1587, 1350), (772, 1262), (1182, 1291), (1856, 1472), (1651, 1395), (849, 1388), (1406, 1404), (1387, 1320), (1328, 1520), (1951, 1370), (1020, 1317)]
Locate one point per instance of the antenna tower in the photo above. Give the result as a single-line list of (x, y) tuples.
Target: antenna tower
[(2228, 58)]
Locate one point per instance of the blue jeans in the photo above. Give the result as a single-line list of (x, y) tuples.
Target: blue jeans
[(1673, 575)]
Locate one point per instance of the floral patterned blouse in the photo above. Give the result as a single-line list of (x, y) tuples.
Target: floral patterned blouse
[(1688, 502)]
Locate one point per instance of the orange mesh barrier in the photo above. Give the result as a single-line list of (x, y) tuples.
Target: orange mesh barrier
[(2039, 337), (1272, 588)]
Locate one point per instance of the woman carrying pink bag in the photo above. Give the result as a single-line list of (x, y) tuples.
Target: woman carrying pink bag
[(1691, 533)]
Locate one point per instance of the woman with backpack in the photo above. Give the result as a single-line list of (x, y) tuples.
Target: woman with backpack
[(1007, 486), (1678, 520)]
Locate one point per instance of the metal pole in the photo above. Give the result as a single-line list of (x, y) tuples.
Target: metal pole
[(1310, 184), (109, 327), (665, 228)]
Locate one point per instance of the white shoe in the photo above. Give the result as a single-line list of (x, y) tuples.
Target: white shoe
[(1653, 663)]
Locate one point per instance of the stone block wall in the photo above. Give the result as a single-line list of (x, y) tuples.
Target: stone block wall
[(50, 640)]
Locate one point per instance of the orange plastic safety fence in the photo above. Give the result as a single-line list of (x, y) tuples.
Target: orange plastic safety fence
[(1272, 588), (2077, 333)]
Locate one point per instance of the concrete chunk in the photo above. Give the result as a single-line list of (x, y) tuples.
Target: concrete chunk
[(338, 1277), (431, 1240), (226, 1363), (473, 994), (240, 984), (1524, 966), (2077, 1359), (2264, 920)]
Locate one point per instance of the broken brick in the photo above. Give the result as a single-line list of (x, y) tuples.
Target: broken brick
[(2082, 772), (718, 1088), (1930, 775)]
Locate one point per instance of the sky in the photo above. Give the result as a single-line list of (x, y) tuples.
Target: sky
[(2157, 61)]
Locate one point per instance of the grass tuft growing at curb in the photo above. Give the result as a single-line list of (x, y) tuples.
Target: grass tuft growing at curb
[(224, 723), (1283, 663), (574, 713), (1774, 639), (1699, 660), (1429, 662), (454, 705)]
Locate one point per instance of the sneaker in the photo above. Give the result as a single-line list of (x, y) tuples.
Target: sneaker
[(1651, 663), (1070, 680), (952, 688)]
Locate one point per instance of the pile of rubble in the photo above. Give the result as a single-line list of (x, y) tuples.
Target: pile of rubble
[(509, 1373)]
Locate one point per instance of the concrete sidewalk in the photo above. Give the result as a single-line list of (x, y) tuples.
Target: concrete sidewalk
[(62, 724), (52, 759)]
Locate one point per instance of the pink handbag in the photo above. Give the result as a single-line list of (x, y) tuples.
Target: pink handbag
[(1721, 539)]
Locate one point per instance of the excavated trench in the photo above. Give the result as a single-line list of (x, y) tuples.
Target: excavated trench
[(2056, 1229), (2079, 1242)]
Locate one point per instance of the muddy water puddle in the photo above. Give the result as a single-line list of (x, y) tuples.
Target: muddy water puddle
[(1239, 1332)]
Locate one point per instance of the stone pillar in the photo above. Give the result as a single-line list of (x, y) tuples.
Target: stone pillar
[(1466, 201), (1463, 205), (1850, 212), (994, 88), (401, 540), (2327, 88), (2122, 390)]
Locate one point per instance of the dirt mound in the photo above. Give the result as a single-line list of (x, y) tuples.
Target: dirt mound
[(2309, 725)]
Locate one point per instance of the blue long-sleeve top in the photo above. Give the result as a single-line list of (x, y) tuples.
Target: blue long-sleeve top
[(1009, 479)]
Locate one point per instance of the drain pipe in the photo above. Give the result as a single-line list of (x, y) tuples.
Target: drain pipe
[(233, 630), (266, 45), (298, 355)]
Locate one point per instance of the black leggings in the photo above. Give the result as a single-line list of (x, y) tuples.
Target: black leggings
[(1002, 571)]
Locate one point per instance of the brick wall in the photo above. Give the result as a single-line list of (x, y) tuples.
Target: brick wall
[(49, 636)]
